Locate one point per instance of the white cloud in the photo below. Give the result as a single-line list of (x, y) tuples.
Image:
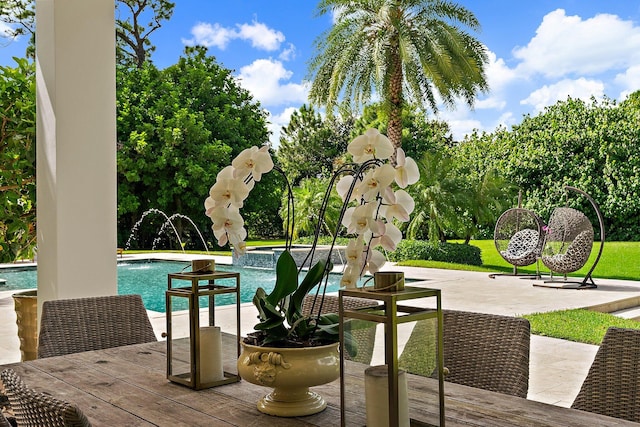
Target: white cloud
[(568, 44), (629, 81), (260, 36), (549, 94), (264, 79), (499, 75), (205, 34), (288, 54), (5, 30)]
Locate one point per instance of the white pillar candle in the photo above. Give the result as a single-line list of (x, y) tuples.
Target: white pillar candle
[(376, 393), (211, 354)]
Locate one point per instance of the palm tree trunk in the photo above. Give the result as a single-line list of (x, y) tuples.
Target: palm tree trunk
[(395, 102)]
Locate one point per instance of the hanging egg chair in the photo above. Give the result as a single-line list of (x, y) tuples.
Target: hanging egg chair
[(518, 237)]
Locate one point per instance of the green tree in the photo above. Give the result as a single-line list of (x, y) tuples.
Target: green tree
[(309, 145), (419, 134), (438, 196), (403, 51), (590, 145), (133, 34), (177, 128), (20, 15), (308, 197), (17, 161)]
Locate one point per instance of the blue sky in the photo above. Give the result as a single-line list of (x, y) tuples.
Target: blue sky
[(540, 51)]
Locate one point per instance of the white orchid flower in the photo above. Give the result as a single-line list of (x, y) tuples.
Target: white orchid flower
[(375, 261), (227, 222), (407, 172), (343, 186), (237, 240), (252, 161), (354, 252), (350, 277), (399, 210), (227, 191), (376, 182), (389, 239), (360, 219), (372, 144)]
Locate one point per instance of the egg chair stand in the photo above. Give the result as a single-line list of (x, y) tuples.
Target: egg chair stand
[(568, 243), (518, 237)]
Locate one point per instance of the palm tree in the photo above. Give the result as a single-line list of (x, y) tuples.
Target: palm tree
[(400, 50), (437, 195)]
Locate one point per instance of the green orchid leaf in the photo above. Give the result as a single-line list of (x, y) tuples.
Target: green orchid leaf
[(311, 279), (286, 278), (271, 323)]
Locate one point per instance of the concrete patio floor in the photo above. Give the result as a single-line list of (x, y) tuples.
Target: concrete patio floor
[(557, 367)]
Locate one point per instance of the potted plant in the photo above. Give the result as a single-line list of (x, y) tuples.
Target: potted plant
[(289, 350)]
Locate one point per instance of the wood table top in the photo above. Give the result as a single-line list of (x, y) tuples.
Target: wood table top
[(127, 386)]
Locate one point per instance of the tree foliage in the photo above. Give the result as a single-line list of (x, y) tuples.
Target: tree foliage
[(133, 34), (17, 161), (588, 145), (412, 51), (136, 20), (309, 145), (20, 17), (177, 128)]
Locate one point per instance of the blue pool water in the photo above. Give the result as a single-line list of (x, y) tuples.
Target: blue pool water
[(149, 279)]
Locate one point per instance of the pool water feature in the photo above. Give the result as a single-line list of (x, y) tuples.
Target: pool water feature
[(149, 279)]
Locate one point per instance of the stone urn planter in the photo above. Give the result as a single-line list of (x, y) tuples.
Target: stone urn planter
[(290, 371), (26, 306)]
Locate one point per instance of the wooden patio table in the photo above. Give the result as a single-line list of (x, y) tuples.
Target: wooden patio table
[(127, 386)]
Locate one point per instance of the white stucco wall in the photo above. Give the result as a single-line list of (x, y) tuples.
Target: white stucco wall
[(76, 148)]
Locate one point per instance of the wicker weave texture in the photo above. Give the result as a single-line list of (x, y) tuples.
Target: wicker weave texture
[(364, 338), (83, 324), (487, 351), (568, 242), (35, 409), (518, 236), (612, 386)]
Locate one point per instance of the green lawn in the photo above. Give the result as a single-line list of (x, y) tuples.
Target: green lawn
[(619, 260)]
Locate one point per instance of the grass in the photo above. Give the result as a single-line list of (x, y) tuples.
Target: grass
[(579, 325), (618, 261)]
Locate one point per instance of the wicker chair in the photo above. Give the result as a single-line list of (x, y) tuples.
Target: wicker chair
[(84, 324), (35, 409), (487, 351), (568, 242), (4, 422), (612, 386), (365, 338), (518, 237)]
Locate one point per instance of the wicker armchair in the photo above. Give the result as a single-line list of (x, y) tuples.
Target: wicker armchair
[(84, 324), (487, 351), (35, 409), (365, 338), (612, 386)]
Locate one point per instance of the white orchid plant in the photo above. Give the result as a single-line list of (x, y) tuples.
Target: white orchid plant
[(370, 206), (373, 203)]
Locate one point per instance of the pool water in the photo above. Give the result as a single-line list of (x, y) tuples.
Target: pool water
[(149, 279)]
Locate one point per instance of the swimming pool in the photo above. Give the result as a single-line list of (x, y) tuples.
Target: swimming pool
[(149, 279)]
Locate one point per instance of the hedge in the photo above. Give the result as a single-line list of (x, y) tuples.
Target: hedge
[(458, 253)]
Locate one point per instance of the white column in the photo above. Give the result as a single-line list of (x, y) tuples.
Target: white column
[(76, 148)]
